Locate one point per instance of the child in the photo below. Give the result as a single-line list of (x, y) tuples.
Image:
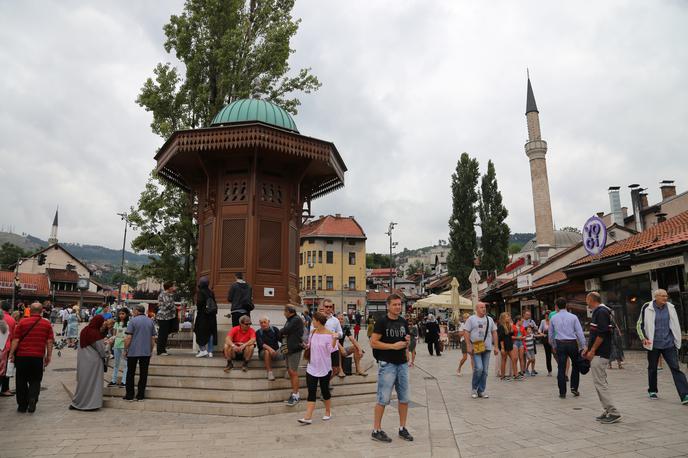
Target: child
[(530, 352)]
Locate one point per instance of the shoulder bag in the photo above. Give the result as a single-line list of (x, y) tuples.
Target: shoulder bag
[(210, 306), (479, 345)]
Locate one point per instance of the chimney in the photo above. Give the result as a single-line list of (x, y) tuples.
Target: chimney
[(668, 189), (337, 215), (615, 205), (636, 205), (643, 200), (661, 217)]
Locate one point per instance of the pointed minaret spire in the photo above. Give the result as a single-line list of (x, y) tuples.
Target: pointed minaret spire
[(52, 240), (536, 150), (531, 106)]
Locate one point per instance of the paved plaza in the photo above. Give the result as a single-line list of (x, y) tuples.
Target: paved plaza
[(524, 418)]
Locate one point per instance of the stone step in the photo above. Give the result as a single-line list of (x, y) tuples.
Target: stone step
[(217, 372), (229, 409), (223, 383), (239, 397), (216, 361)]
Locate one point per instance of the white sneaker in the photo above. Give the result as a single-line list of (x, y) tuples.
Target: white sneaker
[(483, 395), (303, 421), (271, 376), (327, 417), (202, 353), (474, 395), (210, 355)]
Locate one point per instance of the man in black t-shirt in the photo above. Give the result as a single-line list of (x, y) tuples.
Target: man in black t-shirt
[(599, 345), (389, 342)]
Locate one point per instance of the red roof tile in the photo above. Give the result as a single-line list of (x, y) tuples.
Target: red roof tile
[(379, 296), (551, 279), (333, 226), (384, 272), (671, 232), (62, 275), (32, 284)]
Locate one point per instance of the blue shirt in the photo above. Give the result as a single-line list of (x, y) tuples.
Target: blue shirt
[(663, 338), (565, 326), (142, 330)]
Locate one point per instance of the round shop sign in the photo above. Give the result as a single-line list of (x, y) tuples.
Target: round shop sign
[(594, 235)]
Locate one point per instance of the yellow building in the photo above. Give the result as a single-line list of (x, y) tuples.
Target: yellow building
[(333, 263)]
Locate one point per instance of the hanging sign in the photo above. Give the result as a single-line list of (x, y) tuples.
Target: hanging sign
[(594, 235)]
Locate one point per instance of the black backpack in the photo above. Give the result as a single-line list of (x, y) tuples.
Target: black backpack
[(210, 306)]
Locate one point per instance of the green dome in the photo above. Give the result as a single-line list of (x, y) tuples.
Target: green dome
[(246, 110)]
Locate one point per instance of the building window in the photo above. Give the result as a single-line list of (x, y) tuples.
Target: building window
[(330, 282), (308, 282), (319, 257), (309, 258), (319, 281), (352, 242), (301, 283), (329, 242), (330, 257), (313, 281), (352, 283), (352, 258)]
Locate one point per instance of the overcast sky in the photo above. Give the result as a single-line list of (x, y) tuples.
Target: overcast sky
[(407, 87)]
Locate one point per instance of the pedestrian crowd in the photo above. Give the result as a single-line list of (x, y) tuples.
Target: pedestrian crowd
[(328, 343)]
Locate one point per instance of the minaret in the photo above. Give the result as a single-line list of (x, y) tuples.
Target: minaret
[(536, 149), (52, 240)]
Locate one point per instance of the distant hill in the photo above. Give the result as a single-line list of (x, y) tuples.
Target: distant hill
[(93, 254)]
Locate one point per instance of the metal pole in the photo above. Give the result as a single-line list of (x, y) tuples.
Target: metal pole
[(121, 268), (14, 290)]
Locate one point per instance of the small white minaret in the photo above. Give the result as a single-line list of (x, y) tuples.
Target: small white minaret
[(52, 240), (536, 149)]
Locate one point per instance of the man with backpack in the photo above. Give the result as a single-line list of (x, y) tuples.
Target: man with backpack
[(268, 343), (240, 297)]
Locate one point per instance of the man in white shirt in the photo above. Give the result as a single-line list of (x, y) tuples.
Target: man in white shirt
[(333, 324), (64, 315)]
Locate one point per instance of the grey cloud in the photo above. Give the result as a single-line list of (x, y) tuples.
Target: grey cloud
[(407, 87)]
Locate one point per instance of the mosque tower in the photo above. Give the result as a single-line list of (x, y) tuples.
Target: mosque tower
[(536, 150), (52, 240)]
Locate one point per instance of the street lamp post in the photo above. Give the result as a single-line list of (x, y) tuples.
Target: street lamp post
[(125, 218), (391, 246)]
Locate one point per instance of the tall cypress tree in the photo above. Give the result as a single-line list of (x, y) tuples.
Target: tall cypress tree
[(495, 232), (463, 243)]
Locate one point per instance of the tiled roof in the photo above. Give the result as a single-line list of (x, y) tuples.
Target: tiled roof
[(551, 279), (333, 226), (379, 296), (439, 283), (32, 284), (670, 232), (62, 275), (384, 272)]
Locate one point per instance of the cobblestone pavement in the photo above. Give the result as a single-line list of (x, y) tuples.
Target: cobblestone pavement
[(519, 419)]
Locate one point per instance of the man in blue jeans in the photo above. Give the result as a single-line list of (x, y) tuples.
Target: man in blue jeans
[(660, 332), (389, 342), (480, 334)]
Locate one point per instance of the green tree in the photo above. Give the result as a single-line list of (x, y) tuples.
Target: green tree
[(377, 261), (417, 267), (9, 253), (495, 232), (229, 49), (463, 244), (515, 248)]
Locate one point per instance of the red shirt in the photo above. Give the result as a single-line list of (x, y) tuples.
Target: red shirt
[(11, 324), (238, 336), (34, 342)]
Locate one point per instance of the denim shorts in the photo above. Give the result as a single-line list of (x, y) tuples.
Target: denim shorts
[(518, 344), (392, 376)]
